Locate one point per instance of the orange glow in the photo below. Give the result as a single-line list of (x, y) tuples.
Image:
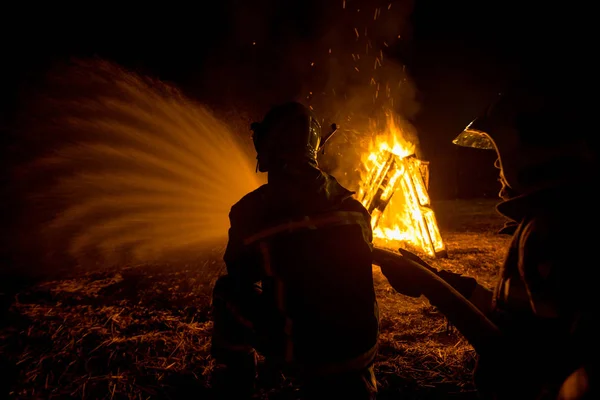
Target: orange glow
[(394, 190)]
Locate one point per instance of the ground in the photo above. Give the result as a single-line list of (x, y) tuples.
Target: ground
[(143, 332)]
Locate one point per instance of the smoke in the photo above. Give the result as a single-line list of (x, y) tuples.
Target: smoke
[(363, 80), (343, 58)]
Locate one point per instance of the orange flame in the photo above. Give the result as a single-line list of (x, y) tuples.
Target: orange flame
[(394, 190)]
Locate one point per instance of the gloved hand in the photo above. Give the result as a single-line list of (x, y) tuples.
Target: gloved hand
[(403, 278), (464, 285), (406, 282)]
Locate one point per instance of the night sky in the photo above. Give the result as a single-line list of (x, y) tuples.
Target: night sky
[(251, 54)]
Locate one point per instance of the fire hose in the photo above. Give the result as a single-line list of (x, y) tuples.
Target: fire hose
[(482, 334)]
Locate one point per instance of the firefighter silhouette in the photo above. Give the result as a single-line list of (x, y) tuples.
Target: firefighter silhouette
[(299, 287), (544, 301)]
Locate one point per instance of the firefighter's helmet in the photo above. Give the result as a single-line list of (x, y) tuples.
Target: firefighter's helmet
[(535, 133), (289, 132)]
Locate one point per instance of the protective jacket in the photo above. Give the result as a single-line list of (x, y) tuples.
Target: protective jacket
[(308, 242), (545, 301)]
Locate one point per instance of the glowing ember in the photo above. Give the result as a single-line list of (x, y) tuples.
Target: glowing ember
[(394, 190)]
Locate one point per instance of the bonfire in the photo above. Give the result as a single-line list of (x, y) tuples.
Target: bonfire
[(394, 190)]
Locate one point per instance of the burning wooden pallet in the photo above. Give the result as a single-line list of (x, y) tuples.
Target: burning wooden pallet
[(394, 190)]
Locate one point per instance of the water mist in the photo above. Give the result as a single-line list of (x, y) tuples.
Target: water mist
[(129, 169)]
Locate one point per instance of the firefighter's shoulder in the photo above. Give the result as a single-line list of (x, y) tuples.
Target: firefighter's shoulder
[(250, 203), (351, 204)]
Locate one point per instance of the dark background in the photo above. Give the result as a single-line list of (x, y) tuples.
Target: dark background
[(457, 53)]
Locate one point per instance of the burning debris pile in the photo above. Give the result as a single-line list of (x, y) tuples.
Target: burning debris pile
[(394, 190), (357, 76)]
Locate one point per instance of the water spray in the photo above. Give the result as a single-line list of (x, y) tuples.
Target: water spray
[(136, 172)]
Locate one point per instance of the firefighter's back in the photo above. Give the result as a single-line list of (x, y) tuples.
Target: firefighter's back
[(315, 242), (321, 280)]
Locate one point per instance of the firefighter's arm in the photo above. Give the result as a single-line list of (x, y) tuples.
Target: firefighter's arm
[(480, 296), (403, 281), (243, 262)]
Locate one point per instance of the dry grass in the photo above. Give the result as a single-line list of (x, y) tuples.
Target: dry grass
[(143, 332)]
